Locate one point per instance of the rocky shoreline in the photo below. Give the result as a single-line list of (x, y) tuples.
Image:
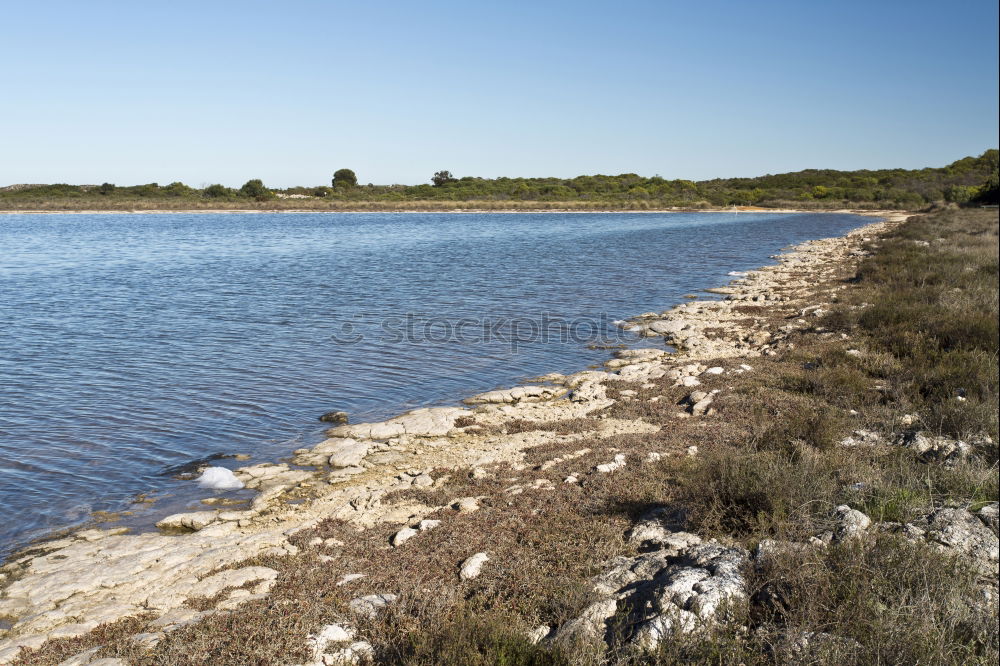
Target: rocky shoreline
[(67, 587)]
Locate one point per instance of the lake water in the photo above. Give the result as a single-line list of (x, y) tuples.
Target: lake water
[(132, 344)]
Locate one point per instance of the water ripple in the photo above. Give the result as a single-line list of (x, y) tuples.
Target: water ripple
[(136, 343)]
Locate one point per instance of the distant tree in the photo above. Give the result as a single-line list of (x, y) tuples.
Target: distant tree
[(216, 191), (148, 190), (968, 181), (255, 190), (960, 194), (176, 189), (443, 177), (344, 178), (989, 192)]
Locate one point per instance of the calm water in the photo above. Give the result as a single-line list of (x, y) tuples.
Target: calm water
[(135, 343)]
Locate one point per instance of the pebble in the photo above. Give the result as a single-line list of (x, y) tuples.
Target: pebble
[(402, 536), (349, 578), (466, 505), (539, 633), (423, 480)]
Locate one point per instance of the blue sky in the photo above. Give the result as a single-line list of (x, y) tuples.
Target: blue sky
[(203, 92)]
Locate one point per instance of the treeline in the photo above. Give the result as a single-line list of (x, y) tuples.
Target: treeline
[(968, 180), (252, 189)]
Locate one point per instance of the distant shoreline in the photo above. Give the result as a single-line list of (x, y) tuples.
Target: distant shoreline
[(738, 209)]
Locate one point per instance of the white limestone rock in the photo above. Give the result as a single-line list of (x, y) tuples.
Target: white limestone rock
[(402, 536), (473, 566), (617, 463), (370, 605), (534, 393), (347, 452), (851, 523), (355, 653), (466, 505), (195, 520), (213, 585), (426, 422)]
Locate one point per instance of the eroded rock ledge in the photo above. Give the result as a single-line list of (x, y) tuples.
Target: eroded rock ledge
[(67, 587)]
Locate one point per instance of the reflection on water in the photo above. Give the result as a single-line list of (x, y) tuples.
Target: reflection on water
[(136, 343)]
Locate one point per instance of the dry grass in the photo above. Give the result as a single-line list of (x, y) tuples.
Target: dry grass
[(887, 601)]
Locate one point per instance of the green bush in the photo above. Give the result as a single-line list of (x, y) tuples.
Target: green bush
[(760, 492), (467, 638), (217, 191), (255, 190), (810, 422)]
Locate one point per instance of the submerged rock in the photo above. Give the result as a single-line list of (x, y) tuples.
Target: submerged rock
[(334, 417)]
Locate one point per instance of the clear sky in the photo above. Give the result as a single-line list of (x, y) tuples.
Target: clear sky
[(218, 91)]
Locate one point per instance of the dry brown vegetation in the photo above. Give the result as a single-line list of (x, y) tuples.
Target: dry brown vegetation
[(768, 466)]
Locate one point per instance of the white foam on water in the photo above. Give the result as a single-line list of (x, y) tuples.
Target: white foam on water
[(737, 273), (219, 478)]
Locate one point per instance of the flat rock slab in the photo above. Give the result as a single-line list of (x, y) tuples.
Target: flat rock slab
[(430, 422), (517, 394), (125, 575)]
